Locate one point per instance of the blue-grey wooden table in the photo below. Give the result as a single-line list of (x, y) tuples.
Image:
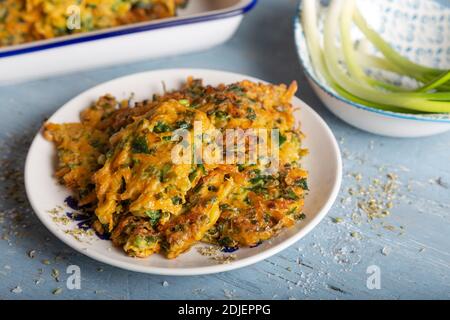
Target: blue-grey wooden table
[(410, 247)]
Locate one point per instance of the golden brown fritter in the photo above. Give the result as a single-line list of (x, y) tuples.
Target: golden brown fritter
[(152, 204), (80, 149)]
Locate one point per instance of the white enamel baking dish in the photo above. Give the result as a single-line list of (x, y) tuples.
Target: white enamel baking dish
[(201, 25)]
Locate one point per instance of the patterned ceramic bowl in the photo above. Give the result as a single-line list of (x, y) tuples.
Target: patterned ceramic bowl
[(419, 30)]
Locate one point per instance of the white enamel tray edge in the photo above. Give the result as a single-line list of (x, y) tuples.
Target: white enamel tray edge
[(210, 23)]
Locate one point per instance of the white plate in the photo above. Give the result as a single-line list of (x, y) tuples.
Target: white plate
[(44, 193)]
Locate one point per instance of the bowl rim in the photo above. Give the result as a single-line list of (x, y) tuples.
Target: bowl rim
[(298, 31)]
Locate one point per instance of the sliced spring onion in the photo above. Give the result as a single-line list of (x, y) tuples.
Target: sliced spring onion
[(350, 58), (439, 81), (350, 79), (406, 65), (309, 18)]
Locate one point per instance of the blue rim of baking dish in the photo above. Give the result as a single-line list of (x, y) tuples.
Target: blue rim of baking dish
[(86, 37), (297, 28)]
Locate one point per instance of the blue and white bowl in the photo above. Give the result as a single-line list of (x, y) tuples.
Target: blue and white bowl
[(419, 30)]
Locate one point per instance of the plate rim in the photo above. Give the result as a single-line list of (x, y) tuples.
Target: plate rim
[(191, 271)]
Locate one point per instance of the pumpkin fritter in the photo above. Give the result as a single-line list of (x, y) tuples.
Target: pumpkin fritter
[(151, 204), (139, 168), (79, 149), (200, 214)]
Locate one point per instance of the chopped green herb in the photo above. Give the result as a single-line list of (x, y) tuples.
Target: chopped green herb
[(176, 200), (236, 89), (225, 207), (195, 105), (202, 167), (219, 100), (197, 188), (193, 175), (302, 183), (161, 127), (140, 242), (290, 195), (96, 144), (221, 115), (282, 139), (154, 216), (144, 242), (251, 115), (260, 182), (163, 173), (226, 242), (139, 145), (300, 216), (151, 239), (184, 102)]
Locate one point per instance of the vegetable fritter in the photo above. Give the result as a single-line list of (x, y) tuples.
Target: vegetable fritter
[(149, 203), (79, 149), (201, 214)]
